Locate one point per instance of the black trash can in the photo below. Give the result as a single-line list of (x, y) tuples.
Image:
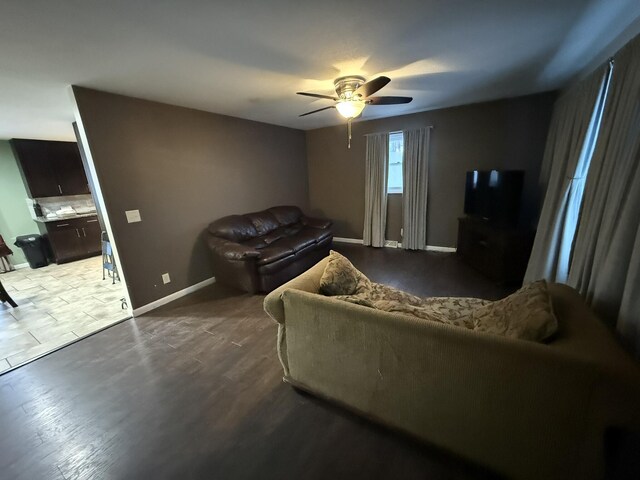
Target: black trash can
[(34, 249)]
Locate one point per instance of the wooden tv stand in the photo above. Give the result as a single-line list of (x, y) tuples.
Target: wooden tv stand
[(500, 253)]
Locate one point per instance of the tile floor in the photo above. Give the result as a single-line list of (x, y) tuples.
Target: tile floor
[(57, 304)]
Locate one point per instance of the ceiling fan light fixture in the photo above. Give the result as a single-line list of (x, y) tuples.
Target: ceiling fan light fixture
[(350, 108), (353, 94)]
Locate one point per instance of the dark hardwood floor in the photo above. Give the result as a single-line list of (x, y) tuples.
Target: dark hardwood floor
[(194, 391)]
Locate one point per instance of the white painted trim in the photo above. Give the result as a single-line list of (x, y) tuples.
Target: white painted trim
[(100, 197), (435, 248), (347, 240), (174, 296), (21, 265), (430, 248)]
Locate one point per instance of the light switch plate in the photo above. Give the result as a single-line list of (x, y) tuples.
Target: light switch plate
[(133, 216), (166, 278)]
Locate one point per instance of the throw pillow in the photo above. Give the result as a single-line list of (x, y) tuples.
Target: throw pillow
[(340, 277), (526, 314)]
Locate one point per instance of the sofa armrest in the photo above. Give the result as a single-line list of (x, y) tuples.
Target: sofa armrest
[(231, 250), (316, 222), (309, 281)]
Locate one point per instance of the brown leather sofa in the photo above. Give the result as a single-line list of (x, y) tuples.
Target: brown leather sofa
[(260, 251)]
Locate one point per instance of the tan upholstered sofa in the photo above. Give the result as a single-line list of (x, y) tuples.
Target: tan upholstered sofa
[(525, 410)]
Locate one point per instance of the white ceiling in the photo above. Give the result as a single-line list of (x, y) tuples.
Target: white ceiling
[(248, 58)]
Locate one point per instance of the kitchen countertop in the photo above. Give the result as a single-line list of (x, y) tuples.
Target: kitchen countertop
[(65, 217)]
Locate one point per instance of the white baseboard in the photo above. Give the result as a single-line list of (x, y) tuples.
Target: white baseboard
[(347, 240), (395, 244), (174, 296), (435, 248), (21, 265)]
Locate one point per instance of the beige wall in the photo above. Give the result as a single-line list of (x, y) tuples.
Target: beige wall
[(504, 134), (182, 169)]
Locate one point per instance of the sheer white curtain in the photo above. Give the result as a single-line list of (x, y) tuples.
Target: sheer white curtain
[(568, 152), (605, 267), (415, 173), (375, 195)]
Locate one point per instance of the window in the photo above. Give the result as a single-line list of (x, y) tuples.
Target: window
[(396, 151)]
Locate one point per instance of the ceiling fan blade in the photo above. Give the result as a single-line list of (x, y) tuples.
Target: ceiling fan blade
[(372, 86), (317, 95), (319, 110), (387, 100)]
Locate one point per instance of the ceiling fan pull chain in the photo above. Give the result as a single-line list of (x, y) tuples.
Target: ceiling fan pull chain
[(349, 130)]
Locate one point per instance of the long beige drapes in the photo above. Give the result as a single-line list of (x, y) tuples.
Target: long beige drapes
[(564, 154), (375, 196), (415, 173), (606, 257)]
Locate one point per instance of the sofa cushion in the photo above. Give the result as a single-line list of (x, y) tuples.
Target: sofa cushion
[(231, 250), (274, 236), (340, 277), (264, 222), (322, 223), (297, 242), (236, 228), (274, 252), (318, 234), (258, 243), (293, 228), (276, 266), (525, 314), (306, 250), (286, 215)]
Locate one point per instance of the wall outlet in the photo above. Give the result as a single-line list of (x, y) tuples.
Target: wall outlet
[(133, 216), (166, 278)]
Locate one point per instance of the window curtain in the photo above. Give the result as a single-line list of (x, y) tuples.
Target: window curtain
[(375, 196), (566, 160), (415, 171), (605, 267)]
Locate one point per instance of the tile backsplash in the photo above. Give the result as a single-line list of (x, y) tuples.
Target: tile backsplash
[(80, 203)]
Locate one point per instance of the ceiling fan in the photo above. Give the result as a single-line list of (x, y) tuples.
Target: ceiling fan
[(353, 94)]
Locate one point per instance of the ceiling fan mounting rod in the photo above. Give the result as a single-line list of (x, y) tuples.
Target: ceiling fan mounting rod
[(346, 86)]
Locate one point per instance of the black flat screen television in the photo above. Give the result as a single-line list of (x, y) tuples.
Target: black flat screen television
[(494, 195)]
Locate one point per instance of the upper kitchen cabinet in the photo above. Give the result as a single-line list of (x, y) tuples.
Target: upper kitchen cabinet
[(50, 168), (69, 170)]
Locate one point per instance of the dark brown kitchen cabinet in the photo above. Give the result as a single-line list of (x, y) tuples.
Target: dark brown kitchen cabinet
[(69, 170), (65, 241), (92, 235), (49, 168), (74, 238)]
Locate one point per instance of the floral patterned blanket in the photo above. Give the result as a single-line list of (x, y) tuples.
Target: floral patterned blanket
[(526, 314)]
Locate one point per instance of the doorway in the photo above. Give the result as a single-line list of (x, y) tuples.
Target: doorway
[(59, 267)]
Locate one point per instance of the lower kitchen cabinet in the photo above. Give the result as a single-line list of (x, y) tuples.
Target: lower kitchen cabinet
[(74, 238)]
